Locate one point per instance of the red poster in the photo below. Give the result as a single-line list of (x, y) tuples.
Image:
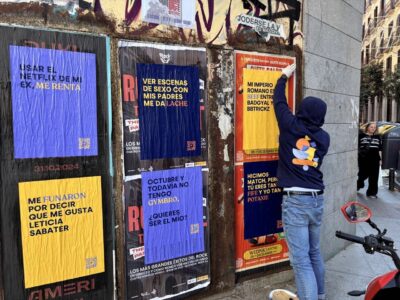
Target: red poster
[(269, 249)]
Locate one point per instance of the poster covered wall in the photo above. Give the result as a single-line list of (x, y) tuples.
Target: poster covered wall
[(259, 238), (56, 171), (166, 169)]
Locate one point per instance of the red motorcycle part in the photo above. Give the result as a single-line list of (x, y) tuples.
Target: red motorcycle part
[(384, 287)]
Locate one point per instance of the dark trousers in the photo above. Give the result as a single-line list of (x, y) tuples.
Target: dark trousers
[(368, 168)]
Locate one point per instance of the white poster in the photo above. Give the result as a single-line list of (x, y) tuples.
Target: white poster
[(176, 13)]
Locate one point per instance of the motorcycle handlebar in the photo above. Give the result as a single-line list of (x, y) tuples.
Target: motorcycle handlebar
[(350, 237)]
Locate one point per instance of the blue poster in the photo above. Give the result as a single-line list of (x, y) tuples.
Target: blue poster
[(262, 199), (169, 111), (173, 213), (53, 103)]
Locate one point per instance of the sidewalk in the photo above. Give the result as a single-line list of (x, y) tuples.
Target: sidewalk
[(352, 268)]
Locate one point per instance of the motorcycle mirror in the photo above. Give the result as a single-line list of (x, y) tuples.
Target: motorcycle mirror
[(355, 212)]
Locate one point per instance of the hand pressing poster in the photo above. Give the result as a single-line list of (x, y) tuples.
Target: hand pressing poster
[(173, 213), (53, 103)]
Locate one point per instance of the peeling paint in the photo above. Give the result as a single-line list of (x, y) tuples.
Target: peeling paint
[(59, 5), (219, 73), (221, 211), (224, 72), (226, 169), (226, 154), (220, 285), (224, 123), (221, 174)]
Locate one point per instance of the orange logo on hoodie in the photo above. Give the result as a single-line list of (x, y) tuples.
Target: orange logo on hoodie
[(305, 153)]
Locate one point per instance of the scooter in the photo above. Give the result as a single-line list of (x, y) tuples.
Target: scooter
[(383, 287)]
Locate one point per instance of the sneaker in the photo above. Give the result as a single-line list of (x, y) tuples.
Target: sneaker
[(373, 196), (280, 294)]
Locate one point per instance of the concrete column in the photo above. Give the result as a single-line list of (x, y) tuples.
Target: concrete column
[(394, 111), (384, 108), (376, 109), (369, 113)]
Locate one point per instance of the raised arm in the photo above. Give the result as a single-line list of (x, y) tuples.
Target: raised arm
[(283, 114)]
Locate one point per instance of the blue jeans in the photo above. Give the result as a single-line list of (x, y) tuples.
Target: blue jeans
[(302, 216)]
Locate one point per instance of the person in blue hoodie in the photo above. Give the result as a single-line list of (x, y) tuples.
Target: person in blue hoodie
[(302, 147)]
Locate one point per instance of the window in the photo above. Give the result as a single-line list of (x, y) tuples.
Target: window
[(373, 49), (389, 65), (367, 55), (369, 26), (363, 31), (362, 57), (375, 16), (398, 58), (382, 7), (390, 37), (382, 42), (392, 3)]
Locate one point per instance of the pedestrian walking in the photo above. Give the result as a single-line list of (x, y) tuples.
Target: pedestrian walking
[(302, 147), (369, 147)]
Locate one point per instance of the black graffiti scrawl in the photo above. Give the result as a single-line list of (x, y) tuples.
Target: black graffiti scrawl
[(215, 19)]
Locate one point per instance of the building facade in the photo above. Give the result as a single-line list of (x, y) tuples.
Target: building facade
[(381, 45)]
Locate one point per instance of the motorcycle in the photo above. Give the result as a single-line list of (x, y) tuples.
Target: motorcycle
[(383, 287)]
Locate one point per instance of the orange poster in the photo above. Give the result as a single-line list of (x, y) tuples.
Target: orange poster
[(268, 249)]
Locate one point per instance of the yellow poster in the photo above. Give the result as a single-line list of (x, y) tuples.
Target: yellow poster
[(260, 129), (61, 228)]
